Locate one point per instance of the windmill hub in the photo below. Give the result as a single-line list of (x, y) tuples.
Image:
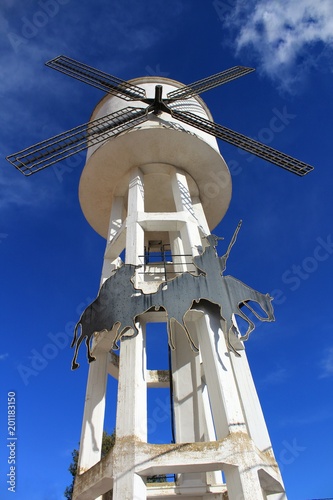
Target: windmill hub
[(158, 105)]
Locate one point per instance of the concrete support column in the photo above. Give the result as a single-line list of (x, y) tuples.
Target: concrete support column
[(187, 397), (243, 483), (94, 410), (186, 389), (188, 242), (116, 219), (213, 477), (177, 250), (131, 421), (226, 407), (254, 417), (188, 404), (135, 233), (132, 390), (192, 411), (200, 215), (190, 235), (129, 486)]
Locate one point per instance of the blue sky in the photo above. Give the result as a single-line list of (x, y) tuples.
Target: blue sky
[(51, 259)]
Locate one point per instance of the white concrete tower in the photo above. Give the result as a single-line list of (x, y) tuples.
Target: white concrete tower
[(165, 183)]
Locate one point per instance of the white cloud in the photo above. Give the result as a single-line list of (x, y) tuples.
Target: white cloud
[(287, 38), (4, 356), (310, 419), (326, 364), (18, 191), (278, 376)]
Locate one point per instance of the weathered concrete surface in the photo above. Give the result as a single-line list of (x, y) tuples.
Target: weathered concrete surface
[(236, 450)]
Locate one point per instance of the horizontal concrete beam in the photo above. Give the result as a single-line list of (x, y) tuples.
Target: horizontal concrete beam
[(167, 490), (95, 481), (151, 459), (236, 449)]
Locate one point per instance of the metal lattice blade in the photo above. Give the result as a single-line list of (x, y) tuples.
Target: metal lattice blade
[(242, 141), (96, 78), (50, 151), (209, 82)]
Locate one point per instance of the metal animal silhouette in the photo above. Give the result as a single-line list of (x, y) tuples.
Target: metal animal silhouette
[(176, 297), (46, 153)]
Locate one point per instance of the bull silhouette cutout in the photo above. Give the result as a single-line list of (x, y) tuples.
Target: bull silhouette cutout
[(119, 303)]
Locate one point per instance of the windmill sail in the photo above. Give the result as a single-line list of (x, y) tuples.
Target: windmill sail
[(242, 141), (50, 151), (103, 81), (209, 82)]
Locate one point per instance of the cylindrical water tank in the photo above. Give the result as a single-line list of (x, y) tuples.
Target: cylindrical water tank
[(153, 145)]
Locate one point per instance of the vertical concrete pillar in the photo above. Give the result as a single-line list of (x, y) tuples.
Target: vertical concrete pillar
[(226, 407), (177, 250), (114, 226), (200, 215), (132, 391), (212, 477), (128, 486), (187, 389), (243, 483), (189, 232), (94, 410), (187, 398), (185, 386), (135, 233), (250, 403), (131, 421)]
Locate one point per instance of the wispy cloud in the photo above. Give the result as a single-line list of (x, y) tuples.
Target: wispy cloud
[(280, 34), (326, 364), (4, 356), (275, 377), (310, 419), (18, 191), (28, 25)]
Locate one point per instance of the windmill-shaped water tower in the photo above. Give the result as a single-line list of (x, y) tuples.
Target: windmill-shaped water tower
[(155, 185)]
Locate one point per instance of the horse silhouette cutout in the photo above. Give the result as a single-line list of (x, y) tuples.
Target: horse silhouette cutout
[(119, 303)]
